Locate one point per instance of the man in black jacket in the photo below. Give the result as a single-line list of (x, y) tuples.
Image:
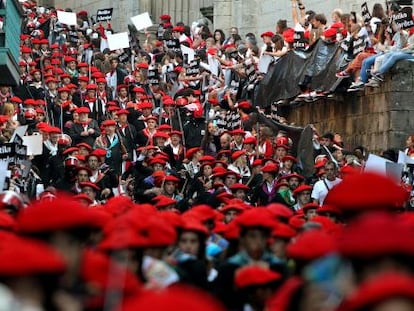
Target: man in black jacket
[(84, 131)]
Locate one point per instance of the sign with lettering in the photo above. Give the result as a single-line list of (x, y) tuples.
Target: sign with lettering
[(103, 15), (153, 77), (404, 18), (358, 46), (12, 152), (193, 68), (366, 15), (300, 41)]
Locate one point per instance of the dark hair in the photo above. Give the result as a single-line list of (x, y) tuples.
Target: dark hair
[(278, 41), (378, 11), (222, 35), (320, 18), (328, 136), (282, 24)]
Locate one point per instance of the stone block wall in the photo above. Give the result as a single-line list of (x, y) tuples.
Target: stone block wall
[(377, 118)]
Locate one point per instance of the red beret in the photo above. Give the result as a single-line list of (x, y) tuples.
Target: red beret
[(283, 231), (123, 236), (330, 33), (279, 211), (237, 154), (190, 152), (367, 191), (267, 34), (138, 89), (82, 110), (91, 87), (179, 296), (380, 288), (109, 123), (26, 257), (257, 162), (142, 65), (201, 212), (172, 178), (178, 133), (238, 132), (239, 186), (239, 208), (83, 79), (309, 206), (178, 29), (160, 232), (64, 213), (154, 118), (16, 99), (101, 80), (255, 276), (311, 245), (165, 17), (84, 145), (25, 49), (89, 184), (365, 237), (257, 217), (80, 65), (329, 209), (63, 89), (270, 168), (302, 188), (289, 157), (70, 150), (122, 111)]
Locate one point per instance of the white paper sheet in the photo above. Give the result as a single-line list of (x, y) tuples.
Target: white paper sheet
[(189, 52), (34, 144), (376, 164), (67, 18), (264, 63), (118, 41), (142, 21)]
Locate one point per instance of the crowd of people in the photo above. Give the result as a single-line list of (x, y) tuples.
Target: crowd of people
[(159, 187)]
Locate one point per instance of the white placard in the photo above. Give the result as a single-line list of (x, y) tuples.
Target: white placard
[(34, 144), (404, 159), (264, 63), (376, 164), (142, 21), (67, 18), (20, 130), (189, 52), (213, 65), (3, 173), (118, 41)]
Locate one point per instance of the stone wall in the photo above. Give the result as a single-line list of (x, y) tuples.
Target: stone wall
[(379, 118), (254, 16)]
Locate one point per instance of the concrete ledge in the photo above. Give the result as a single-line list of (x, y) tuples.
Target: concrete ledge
[(377, 118)]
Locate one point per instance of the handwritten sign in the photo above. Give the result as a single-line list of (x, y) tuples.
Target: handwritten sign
[(404, 18), (366, 15), (103, 15)]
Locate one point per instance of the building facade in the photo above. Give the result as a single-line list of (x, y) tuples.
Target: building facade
[(248, 15)]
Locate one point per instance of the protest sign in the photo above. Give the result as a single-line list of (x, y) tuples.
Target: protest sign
[(118, 41), (366, 15), (103, 15), (141, 21), (67, 18)]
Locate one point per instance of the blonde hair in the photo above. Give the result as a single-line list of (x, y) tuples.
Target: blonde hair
[(8, 109)]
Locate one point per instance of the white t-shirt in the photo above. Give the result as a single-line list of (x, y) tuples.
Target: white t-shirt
[(320, 191)]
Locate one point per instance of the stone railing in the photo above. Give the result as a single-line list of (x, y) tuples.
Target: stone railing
[(377, 118)]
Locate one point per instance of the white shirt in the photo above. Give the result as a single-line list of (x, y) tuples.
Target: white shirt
[(320, 191)]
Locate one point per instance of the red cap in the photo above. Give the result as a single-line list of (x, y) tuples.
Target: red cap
[(109, 123), (267, 34), (257, 217), (165, 17), (239, 186), (82, 110), (380, 288), (64, 213), (255, 276), (91, 87), (279, 211), (311, 245), (25, 257), (330, 33), (301, 188), (89, 184), (122, 111), (179, 296), (270, 168), (237, 154), (190, 152), (367, 191), (283, 231), (178, 29)]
